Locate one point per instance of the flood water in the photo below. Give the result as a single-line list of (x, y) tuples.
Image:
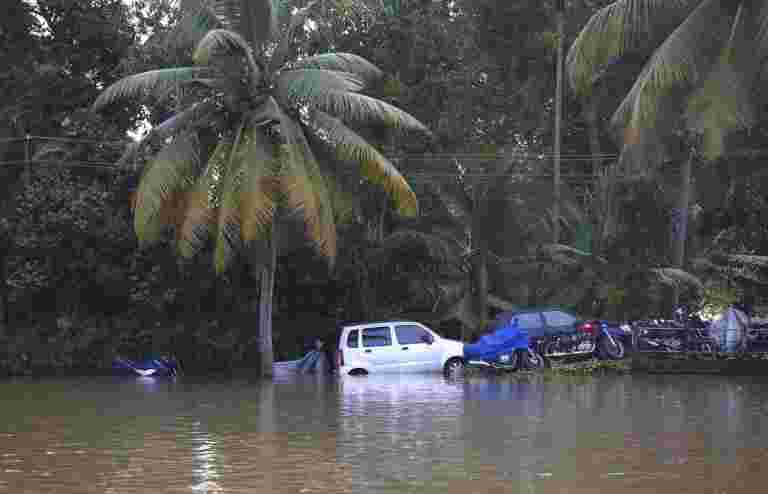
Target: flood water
[(398, 434)]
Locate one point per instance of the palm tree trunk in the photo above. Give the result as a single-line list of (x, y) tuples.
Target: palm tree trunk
[(599, 211), (558, 121), (480, 261), (3, 296), (266, 299), (685, 197), (480, 271)]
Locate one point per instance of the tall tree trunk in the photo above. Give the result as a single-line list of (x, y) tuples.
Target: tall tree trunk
[(480, 271), (560, 20), (3, 294), (266, 299), (681, 230), (480, 260), (600, 211), (680, 221)]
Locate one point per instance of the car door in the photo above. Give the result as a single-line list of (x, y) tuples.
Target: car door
[(378, 349), (351, 347), (559, 322), (418, 351)]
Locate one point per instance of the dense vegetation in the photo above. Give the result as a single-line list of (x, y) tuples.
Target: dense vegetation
[(78, 287)]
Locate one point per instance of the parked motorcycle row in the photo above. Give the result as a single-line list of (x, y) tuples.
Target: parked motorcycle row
[(533, 338)]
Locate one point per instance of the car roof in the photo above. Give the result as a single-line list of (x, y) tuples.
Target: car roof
[(377, 323), (542, 308)]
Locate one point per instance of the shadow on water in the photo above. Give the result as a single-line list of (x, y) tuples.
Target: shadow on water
[(392, 433)]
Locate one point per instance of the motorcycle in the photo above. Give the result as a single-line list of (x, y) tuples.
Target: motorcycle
[(591, 338), (686, 331)]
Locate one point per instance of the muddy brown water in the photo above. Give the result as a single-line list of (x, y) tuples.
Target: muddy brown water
[(387, 434)]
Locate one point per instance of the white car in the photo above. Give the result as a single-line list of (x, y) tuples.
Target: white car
[(396, 346)]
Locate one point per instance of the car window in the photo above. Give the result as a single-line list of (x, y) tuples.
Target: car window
[(353, 339), (529, 320), (558, 318), (373, 337), (410, 334)]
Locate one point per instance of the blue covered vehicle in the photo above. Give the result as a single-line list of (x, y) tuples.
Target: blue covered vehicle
[(505, 347), (526, 338), (555, 332), (149, 367)]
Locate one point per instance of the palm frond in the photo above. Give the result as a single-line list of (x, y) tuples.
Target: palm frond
[(172, 171), (255, 20), (199, 113), (349, 146), (204, 200), (748, 260), (438, 249), (283, 50), (220, 41), (293, 87), (153, 82), (358, 108), (53, 151), (675, 277), (624, 26), (342, 62), (229, 239), (197, 18), (682, 62), (723, 102), (305, 187), (456, 200), (260, 184)]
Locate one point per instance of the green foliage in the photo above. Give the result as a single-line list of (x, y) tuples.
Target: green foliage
[(271, 163)]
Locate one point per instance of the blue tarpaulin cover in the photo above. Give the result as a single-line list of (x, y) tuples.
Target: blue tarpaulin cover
[(506, 338)]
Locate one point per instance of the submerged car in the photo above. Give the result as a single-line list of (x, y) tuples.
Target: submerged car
[(396, 346)]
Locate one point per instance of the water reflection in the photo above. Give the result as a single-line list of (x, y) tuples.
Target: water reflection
[(383, 434)]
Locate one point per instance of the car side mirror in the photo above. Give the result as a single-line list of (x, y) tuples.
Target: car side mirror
[(428, 339)]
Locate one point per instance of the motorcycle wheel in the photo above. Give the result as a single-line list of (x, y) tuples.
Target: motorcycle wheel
[(609, 351), (531, 360)]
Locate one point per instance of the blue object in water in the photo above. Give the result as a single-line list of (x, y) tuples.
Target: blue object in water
[(153, 367)]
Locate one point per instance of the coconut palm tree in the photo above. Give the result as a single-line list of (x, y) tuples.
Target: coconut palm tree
[(704, 58), (241, 149), (702, 62)]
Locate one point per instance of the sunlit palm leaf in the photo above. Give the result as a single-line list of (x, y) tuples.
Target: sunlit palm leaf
[(360, 109), (172, 171), (342, 62), (219, 41), (203, 202), (153, 82), (349, 146), (260, 185), (294, 87), (624, 26), (305, 188), (229, 240)]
